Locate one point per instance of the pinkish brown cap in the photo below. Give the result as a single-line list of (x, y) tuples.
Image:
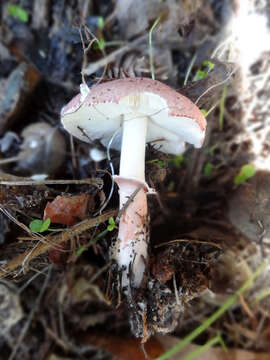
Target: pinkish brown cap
[(173, 118)]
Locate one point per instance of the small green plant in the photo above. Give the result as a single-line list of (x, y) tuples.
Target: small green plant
[(100, 44), (40, 226), (202, 73), (17, 12), (110, 227), (204, 112), (209, 64), (100, 22), (112, 224), (208, 170), (161, 163), (177, 160), (247, 171)]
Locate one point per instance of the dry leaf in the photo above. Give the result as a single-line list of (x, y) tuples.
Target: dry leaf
[(68, 210)]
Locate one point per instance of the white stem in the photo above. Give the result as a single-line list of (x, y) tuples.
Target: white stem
[(130, 251), (133, 147)]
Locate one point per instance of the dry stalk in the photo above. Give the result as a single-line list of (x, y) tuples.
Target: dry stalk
[(10, 180), (42, 247)]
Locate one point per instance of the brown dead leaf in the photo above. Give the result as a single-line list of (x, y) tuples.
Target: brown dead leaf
[(68, 210)]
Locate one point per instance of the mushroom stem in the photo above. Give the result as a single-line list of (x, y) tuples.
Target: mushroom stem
[(130, 251), (133, 147)]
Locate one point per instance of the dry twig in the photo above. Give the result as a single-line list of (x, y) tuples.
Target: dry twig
[(41, 248)]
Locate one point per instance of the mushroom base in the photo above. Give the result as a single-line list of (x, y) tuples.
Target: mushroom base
[(131, 249)]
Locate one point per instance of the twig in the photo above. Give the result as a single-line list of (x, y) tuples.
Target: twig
[(246, 307), (41, 248), (124, 207), (54, 336), (95, 182)]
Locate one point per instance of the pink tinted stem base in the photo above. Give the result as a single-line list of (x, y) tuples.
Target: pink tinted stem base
[(130, 251)]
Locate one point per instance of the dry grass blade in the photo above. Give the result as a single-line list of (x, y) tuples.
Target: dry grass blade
[(41, 248)]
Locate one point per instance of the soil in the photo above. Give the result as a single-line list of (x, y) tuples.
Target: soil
[(60, 294)]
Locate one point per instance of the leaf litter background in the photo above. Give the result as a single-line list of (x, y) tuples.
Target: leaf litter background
[(220, 230)]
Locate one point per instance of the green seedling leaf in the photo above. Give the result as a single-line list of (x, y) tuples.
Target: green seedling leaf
[(100, 22), (208, 64), (200, 74), (39, 225), (177, 160), (161, 163), (111, 225), (100, 44), (247, 171), (80, 250), (204, 112), (18, 13), (208, 170)]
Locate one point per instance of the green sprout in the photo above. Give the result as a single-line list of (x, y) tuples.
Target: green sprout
[(208, 64), (208, 170), (176, 160), (100, 22), (110, 227), (40, 226), (201, 74), (161, 163), (204, 112), (247, 171), (17, 12), (112, 224), (99, 44)]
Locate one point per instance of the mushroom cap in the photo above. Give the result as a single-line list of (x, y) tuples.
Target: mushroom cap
[(99, 113)]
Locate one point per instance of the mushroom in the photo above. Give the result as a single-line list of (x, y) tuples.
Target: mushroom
[(135, 111)]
